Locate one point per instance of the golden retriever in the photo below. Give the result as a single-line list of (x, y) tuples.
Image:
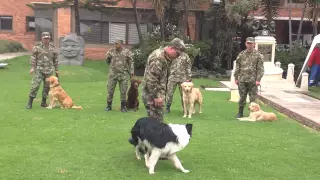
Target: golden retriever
[(57, 93), (190, 97), (256, 114)]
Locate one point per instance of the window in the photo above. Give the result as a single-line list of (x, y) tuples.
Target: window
[(133, 33), (6, 23), (30, 23), (43, 22), (117, 30)]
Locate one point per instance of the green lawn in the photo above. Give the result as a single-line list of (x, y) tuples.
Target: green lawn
[(314, 92), (92, 144)]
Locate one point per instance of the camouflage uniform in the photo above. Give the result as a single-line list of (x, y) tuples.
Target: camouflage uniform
[(180, 71), (121, 67), (249, 69), (155, 78), (44, 62)]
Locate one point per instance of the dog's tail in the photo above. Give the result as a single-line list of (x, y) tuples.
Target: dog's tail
[(76, 107)]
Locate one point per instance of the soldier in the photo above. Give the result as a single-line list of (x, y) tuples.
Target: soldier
[(43, 62), (155, 77), (121, 70), (248, 73), (180, 71)]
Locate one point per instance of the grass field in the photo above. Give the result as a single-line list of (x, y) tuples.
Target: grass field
[(92, 144)]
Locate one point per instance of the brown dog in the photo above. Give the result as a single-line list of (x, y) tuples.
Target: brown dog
[(191, 96), (256, 114), (133, 94), (56, 93)]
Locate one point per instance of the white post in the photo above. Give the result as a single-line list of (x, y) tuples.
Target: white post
[(278, 64), (290, 73), (304, 81), (233, 84)]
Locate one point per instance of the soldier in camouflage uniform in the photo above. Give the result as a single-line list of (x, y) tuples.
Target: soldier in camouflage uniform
[(155, 77), (121, 70), (43, 64), (248, 73), (180, 71)]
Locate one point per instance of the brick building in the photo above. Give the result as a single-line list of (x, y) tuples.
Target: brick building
[(25, 23), (25, 20)]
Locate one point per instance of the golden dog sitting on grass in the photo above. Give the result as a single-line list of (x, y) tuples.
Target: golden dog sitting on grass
[(191, 96), (57, 93), (256, 114)]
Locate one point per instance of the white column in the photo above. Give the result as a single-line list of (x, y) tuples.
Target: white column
[(290, 73), (304, 81)]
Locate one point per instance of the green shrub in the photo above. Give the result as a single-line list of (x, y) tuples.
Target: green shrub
[(296, 57), (10, 46)]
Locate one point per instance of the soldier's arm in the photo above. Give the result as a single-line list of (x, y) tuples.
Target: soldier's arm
[(237, 69), (260, 68), (108, 57), (131, 62), (189, 67), (152, 80), (55, 60), (34, 58)]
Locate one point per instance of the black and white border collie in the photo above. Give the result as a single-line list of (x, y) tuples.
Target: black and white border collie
[(156, 140)]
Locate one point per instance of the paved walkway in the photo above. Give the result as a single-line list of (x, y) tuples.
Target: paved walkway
[(7, 56), (295, 105)]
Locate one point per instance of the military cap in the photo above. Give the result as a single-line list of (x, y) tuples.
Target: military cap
[(118, 41), (178, 44), (45, 35), (250, 40)]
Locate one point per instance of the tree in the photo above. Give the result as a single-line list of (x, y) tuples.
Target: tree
[(313, 14), (304, 8), (160, 6), (290, 27), (134, 5), (270, 9), (76, 17)]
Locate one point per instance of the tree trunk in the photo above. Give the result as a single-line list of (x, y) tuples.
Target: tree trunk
[(76, 17), (134, 5), (186, 14), (162, 29), (290, 27), (301, 20)]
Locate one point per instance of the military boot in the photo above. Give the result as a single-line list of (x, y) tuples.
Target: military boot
[(109, 108), (44, 102), (29, 105), (123, 106), (148, 111), (240, 113), (168, 109)]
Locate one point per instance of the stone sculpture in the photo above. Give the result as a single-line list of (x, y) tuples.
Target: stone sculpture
[(262, 28), (71, 50)]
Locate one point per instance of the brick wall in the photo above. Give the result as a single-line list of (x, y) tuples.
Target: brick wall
[(63, 21), (19, 11)]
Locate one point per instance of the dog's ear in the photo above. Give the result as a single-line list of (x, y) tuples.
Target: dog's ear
[(54, 81), (257, 107), (182, 84), (189, 129)]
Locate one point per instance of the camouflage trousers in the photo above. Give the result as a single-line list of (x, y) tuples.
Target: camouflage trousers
[(111, 86), (246, 88), (171, 88), (152, 110), (36, 82)]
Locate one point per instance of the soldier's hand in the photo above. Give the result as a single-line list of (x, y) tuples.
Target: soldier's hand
[(258, 83), (158, 102), (237, 82), (31, 71), (57, 73), (308, 70)]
